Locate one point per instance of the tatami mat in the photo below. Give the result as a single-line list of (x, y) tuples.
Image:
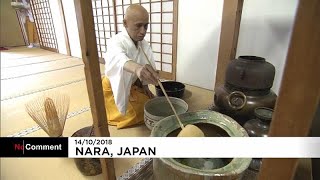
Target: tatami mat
[(23, 52), (41, 71), (29, 84), (34, 69), (48, 167), (8, 63), (13, 114)]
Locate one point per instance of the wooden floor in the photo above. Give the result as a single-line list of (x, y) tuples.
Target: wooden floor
[(26, 74)]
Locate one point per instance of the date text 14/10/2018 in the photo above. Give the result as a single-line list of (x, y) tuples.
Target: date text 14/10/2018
[(123, 151), (93, 142)]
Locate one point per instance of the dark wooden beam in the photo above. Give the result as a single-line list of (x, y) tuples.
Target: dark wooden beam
[(231, 17), (300, 88), (93, 78)]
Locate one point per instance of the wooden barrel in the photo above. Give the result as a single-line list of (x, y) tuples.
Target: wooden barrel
[(213, 124)]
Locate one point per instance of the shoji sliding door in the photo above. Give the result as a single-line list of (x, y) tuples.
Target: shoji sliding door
[(162, 31), (43, 18)]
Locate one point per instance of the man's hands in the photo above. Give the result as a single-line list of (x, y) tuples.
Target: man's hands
[(144, 72), (147, 74)]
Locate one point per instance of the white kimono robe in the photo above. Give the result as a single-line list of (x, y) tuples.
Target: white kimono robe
[(121, 49)]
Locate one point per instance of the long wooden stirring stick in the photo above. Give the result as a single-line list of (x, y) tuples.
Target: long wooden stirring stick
[(175, 113), (165, 94)]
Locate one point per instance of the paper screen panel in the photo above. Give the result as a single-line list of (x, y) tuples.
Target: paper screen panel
[(44, 24), (108, 19), (104, 23)]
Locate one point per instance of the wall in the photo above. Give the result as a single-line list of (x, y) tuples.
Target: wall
[(10, 31), (199, 26), (265, 30), (58, 26), (72, 28)]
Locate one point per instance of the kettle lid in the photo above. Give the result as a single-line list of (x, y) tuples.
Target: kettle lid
[(263, 113)]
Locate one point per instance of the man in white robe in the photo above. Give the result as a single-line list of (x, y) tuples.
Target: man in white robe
[(126, 62)]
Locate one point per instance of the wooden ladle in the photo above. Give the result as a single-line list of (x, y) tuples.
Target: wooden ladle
[(190, 130)]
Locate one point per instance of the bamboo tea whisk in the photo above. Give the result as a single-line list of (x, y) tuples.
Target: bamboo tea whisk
[(189, 130), (50, 112)]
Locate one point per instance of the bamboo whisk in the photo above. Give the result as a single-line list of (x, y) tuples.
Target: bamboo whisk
[(50, 112)]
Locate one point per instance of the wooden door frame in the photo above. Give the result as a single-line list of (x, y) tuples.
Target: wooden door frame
[(93, 77), (230, 26), (300, 88), (64, 27)]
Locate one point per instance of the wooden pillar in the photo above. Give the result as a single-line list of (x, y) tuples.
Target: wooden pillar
[(231, 17), (93, 78), (174, 39), (300, 88), (64, 27)]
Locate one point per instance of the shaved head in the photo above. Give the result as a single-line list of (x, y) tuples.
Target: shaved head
[(136, 22), (135, 11)]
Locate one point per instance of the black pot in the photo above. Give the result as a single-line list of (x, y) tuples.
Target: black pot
[(173, 89), (250, 73)]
